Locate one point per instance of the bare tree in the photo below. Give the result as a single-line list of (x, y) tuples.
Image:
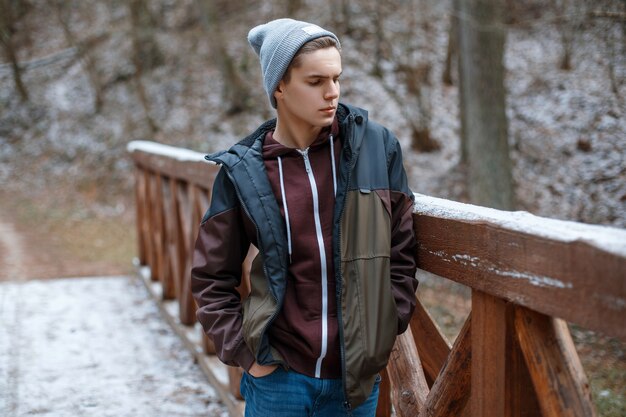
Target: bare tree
[(451, 51), (481, 49), (146, 54), (610, 18), (62, 10), (413, 72), (456, 13), (379, 37), (7, 29), (235, 91)]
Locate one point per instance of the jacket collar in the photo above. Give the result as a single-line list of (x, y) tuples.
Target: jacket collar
[(352, 122)]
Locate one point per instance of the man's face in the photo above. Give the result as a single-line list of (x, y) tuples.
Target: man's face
[(310, 97)]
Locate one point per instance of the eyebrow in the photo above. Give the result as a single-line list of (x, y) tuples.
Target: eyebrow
[(323, 76)]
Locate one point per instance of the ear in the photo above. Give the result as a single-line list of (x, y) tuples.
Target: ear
[(278, 93)]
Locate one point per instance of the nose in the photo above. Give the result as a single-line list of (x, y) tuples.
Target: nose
[(332, 92)]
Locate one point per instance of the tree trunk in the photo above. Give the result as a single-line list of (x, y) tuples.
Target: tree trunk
[(61, 10), (451, 51), (481, 50), (146, 54), (235, 91), (6, 38), (379, 30), (456, 10)]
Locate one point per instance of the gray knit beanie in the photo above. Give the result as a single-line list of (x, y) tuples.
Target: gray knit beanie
[(276, 43)]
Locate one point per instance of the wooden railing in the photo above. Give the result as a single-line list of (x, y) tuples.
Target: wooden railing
[(529, 276)]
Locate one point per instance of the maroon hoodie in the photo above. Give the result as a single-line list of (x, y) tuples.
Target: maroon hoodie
[(305, 331)]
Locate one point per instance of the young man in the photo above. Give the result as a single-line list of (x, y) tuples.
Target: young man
[(322, 193)]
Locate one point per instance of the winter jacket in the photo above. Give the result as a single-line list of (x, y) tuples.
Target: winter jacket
[(373, 250)]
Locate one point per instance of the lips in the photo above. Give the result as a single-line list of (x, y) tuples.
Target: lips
[(328, 109)]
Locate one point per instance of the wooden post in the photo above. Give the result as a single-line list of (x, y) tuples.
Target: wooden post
[(186, 304), (147, 223), (383, 409), (139, 203), (432, 345), (234, 381), (407, 377), (170, 219), (555, 369), (520, 400), (451, 391), (488, 355)]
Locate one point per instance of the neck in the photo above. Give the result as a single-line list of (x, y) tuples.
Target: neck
[(295, 136)]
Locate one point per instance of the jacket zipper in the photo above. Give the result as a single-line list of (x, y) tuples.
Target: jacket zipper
[(342, 348), (323, 266)]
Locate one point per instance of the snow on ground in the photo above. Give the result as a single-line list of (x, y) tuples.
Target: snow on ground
[(94, 347)]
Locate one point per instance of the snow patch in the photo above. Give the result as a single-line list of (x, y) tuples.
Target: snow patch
[(94, 347), (179, 154)]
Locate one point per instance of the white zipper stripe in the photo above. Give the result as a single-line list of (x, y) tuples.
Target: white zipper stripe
[(282, 193), (320, 242)]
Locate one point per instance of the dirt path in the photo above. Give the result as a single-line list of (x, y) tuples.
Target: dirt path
[(41, 238), (12, 260)]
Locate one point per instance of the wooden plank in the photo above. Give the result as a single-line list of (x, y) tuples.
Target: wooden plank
[(383, 408), (234, 381), (147, 226), (155, 228), (170, 222), (178, 239), (521, 399), (488, 355), (432, 345), (186, 303), (555, 369), (451, 391), (407, 377), (495, 255), (139, 206), (161, 237)]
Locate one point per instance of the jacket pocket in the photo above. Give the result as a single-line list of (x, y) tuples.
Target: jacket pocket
[(369, 315), (258, 308)]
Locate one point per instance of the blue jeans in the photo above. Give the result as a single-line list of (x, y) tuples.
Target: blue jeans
[(290, 394)]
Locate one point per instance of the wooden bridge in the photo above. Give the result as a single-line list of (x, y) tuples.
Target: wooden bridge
[(528, 276)]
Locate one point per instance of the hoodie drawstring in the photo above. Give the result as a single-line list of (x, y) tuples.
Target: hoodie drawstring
[(284, 197), (332, 159)]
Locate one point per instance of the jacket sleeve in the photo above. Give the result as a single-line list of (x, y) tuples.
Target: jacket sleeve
[(403, 240), (220, 249)]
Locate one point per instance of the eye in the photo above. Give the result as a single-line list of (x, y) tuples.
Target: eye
[(314, 82)]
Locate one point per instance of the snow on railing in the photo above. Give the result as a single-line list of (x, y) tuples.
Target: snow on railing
[(179, 154), (606, 238)]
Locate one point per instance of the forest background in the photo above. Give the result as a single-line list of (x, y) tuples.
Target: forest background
[(80, 79)]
